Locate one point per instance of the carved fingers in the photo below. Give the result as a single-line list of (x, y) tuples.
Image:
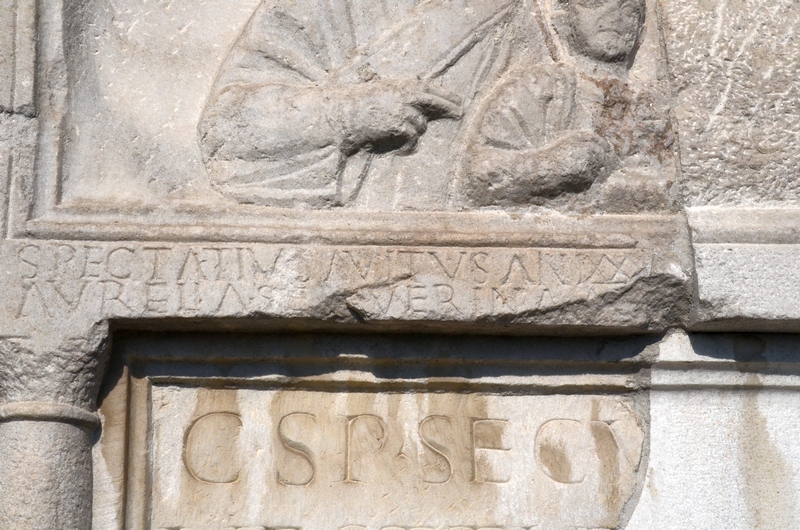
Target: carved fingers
[(392, 116), (436, 103)]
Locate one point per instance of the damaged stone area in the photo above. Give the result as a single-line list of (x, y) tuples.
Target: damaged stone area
[(635, 290), (399, 265)]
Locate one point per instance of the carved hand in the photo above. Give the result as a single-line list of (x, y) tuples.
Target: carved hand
[(581, 155), (392, 115), (568, 165)]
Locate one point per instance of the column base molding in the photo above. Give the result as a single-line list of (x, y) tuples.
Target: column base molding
[(51, 412)]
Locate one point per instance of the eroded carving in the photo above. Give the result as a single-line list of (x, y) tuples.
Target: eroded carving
[(389, 454), (378, 283), (555, 127), (307, 468), (62, 369), (487, 435), (365, 434), (49, 384), (211, 453), (434, 105), (323, 94), (602, 451), (432, 433), (17, 56)]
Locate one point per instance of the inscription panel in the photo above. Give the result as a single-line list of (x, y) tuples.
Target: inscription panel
[(218, 280), (307, 459), (533, 286)]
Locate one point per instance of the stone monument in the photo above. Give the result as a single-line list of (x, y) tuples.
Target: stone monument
[(399, 264)]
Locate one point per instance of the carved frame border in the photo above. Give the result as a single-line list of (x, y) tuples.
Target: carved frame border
[(34, 209), (623, 369)]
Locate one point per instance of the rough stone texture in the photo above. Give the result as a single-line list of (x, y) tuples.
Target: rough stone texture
[(386, 169), (734, 68), (17, 56), (46, 392), (68, 373), (47, 476), (752, 286), (17, 148), (636, 289)]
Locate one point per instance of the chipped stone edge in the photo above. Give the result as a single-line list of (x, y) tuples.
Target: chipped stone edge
[(760, 244)]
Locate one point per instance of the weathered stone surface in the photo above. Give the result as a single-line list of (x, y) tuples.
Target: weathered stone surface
[(723, 451), (395, 195), (751, 286), (17, 158), (734, 68), (332, 460), (46, 467), (637, 289), (48, 392), (18, 56), (353, 104), (745, 260), (31, 370), (742, 440), (427, 437), (384, 169)]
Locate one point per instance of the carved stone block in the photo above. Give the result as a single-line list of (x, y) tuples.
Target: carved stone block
[(313, 432), (380, 190), (627, 287), (351, 104), (17, 56), (535, 148)]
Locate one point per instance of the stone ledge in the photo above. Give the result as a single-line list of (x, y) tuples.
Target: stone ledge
[(747, 288)]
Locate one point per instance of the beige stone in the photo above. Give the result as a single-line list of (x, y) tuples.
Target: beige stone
[(382, 193), (266, 447), (332, 460), (733, 65)]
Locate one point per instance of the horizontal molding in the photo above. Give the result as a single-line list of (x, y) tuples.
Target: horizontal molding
[(48, 412), (705, 373), (485, 229), (745, 225)]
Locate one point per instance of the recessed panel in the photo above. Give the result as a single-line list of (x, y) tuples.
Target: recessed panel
[(316, 460)]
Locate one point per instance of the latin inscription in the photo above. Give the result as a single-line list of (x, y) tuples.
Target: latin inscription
[(209, 442), (135, 280), (366, 461)]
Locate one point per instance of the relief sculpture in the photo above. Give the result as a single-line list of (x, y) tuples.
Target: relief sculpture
[(556, 127), (433, 105)]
